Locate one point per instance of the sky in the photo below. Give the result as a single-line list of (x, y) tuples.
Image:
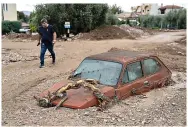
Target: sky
[(126, 6)]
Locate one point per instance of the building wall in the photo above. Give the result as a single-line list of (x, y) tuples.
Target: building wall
[(10, 13), (147, 8), (143, 9), (168, 10), (139, 9), (154, 9)]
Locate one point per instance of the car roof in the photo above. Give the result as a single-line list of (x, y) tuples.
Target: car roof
[(121, 56)]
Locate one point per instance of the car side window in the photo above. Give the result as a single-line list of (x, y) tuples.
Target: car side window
[(151, 66), (133, 72), (125, 77)]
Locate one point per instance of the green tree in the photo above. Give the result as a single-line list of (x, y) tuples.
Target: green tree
[(111, 19), (22, 17), (174, 18), (83, 17), (116, 9), (181, 21)]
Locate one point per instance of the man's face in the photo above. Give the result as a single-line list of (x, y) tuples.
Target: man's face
[(44, 24)]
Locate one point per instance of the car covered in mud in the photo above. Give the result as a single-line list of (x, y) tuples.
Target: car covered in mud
[(119, 74)]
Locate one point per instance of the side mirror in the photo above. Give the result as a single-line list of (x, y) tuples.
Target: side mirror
[(72, 71), (71, 74)]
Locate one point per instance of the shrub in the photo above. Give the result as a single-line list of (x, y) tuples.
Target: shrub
[(8, 26), (33, 28), (112, 19)]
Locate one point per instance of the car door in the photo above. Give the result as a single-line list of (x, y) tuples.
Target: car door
[(132, 81), (155, 73)]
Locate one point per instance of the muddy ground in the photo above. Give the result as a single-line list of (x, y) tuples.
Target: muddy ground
[(21, 79)]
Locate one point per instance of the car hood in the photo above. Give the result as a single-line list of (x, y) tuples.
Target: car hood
[(79, 98)]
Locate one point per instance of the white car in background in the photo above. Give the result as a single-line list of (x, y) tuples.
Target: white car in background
[(24, 30)]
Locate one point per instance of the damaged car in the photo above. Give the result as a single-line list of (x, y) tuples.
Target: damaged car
[(103, 77)]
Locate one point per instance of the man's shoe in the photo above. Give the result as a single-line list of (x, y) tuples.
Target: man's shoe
[(41, 66), (53, 62)]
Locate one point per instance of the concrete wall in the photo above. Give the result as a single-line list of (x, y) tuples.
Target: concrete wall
[(154, 9), (11, 12)]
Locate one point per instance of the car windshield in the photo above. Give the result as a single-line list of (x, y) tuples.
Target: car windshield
[(106, 72)]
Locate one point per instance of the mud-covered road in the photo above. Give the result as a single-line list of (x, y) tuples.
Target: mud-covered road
[(22, 78)]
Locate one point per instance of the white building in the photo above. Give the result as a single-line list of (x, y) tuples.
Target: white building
[(153, 9), (9, 12), (168, 8), (146, 9)]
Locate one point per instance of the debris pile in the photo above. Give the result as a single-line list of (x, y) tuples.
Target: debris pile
[(148, 30), (106, 32), (113, 49), (134, 32), (182, 41), (115, 32), (10, 55), (22, 36), (78, 36), (61, 94), (100, 33)]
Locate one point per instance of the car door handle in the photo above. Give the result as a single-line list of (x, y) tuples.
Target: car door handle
[(146, 83)]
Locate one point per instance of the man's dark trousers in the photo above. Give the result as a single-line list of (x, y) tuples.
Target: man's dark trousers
[(44, 47)]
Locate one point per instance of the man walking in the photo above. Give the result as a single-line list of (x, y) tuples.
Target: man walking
[(47, 39)]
